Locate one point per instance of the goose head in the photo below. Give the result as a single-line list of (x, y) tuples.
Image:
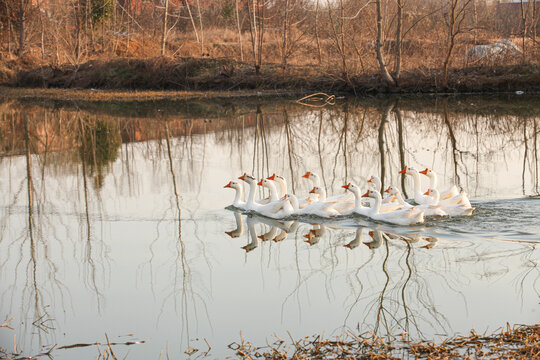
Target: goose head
[(352, 188), (233, 184), (434, 193), (317, 190), (375, 181), (372, 194), (266, 183), (427, 171), (247, 178), (392, 190), (408, 170)]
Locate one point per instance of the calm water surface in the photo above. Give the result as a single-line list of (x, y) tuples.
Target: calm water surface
[(114, 220)]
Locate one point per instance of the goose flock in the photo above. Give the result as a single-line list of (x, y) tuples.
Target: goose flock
[(281, 204)]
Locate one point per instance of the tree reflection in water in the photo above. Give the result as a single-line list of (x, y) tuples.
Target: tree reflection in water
[(106, 171)]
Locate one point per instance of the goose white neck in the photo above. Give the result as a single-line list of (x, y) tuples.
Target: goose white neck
[(316, 180), (376, 182), (251, 196), (282, 185), (378, 199), (273, 191), (436, 196), (239, 194), (400, 198), (294, 201), (357, 199), (432, 180), (322, 194)]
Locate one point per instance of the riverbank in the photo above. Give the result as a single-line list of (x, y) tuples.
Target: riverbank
[(197, 75)]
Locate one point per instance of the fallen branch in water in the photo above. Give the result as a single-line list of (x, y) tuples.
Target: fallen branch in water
[(6, 324)]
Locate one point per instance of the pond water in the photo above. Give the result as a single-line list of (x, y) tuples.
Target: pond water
[(114, 223)]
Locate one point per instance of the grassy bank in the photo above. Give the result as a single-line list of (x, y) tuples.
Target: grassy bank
[(197, 75)]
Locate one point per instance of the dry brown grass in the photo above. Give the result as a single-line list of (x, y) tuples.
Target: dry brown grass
[(519, 342)]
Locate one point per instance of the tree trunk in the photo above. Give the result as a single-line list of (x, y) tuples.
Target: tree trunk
[(384, 72), (21, 26), (239, 31), (201, 25), (284, 38), (261, 33), (319, 57), (164, 30), (398, 38)]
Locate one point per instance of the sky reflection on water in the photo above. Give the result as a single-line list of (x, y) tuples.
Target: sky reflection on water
[(117, 224)]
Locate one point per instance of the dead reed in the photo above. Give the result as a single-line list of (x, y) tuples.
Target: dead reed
[(518, 342)]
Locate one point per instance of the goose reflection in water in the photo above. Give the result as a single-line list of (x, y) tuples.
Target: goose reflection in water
[(277, 231)]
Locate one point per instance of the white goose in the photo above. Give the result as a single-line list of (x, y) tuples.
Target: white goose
[(450, 209), (316, 181), (318, 208), (429, 209), (419, 198), (375, 181), (237, 202), (400, 217), (342, 207), (275, 209), (432, 175), (363, 210), (278, 209), (302, 202)]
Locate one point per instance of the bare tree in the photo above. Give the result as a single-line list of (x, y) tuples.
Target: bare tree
[(398, 39), (239, 30), (164, 32), (457, 10), (383, 70), (256, 27)]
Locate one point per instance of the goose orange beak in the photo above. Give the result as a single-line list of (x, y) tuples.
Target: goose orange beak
[(370, 179), (426, 193), (371, 233), (260, 182), (243, 177), (261, 237), (424, 171), (366, 194), (312, 191), (307, 236), (306, 175), (346, 186), (272, 177), (347, 245), (228, 185), (229, 233), (387, 190), (404, 170)]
